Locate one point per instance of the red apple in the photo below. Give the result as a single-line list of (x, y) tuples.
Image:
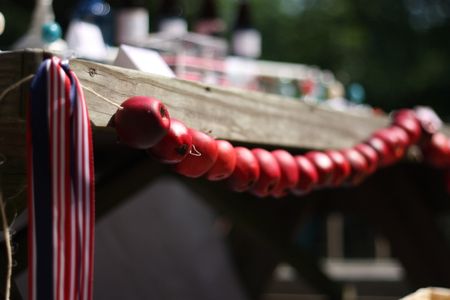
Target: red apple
[(370, 155), (308, 175), (289, 172), (342, 168), (385, 154), (360, 168), (407, 120), (269, 175), (141, 122), (174, 147), (324, 166), (436, 150), (225, 163), (393, 141), (202, 157), (246, 172), (428, 119), (402, 136)]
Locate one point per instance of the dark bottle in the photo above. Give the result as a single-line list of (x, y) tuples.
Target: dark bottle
[(132, 21), (171, 19), (209, 22), (245, 39)]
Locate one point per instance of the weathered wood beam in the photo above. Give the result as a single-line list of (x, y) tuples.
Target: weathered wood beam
[(231, 114), (13, 67), (228, 113)]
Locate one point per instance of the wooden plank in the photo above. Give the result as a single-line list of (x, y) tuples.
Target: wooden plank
[(13, 67), (231, 114), (31, 59), (13, 169), (10, 72)]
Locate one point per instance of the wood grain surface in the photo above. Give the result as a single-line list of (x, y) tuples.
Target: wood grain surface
[(13, 67), (231, 114)]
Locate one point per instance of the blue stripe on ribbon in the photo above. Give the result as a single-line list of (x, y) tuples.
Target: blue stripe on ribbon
[(42, 184)]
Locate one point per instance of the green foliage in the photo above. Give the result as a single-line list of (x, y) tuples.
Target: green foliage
[(372, 42)]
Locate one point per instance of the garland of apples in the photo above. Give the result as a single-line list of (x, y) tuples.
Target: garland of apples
[(144, 123)]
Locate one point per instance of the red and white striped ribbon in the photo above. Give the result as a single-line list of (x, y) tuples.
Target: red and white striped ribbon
[(64, 153)]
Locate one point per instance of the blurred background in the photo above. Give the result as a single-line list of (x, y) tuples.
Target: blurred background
[(381, 240), (399, 51)]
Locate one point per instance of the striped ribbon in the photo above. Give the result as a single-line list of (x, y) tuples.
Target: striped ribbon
[(61, 187)]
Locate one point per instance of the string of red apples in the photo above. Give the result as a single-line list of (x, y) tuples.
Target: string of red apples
[(144, 123)]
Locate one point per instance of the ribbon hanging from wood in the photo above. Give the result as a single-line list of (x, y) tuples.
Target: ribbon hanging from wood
[(61, 186)]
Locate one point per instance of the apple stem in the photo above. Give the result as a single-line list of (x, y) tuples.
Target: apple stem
[(101, 97), (194, 151)]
